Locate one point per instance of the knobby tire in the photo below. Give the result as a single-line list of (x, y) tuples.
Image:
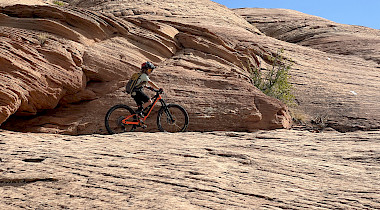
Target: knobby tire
[(114, 117), (173, 118)]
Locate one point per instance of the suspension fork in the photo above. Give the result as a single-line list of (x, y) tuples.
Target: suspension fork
[(166, 110)]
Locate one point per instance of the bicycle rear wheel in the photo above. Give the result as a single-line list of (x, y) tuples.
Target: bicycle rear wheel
[(172, 118), (115, 116)]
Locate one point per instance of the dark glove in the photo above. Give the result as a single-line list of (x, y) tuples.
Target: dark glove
[(161, 90)]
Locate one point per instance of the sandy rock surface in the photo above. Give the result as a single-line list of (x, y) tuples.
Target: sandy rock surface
[(26, 2), (217, 170)]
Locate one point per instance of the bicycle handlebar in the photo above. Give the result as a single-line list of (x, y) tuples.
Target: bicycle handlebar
[(159, 91)]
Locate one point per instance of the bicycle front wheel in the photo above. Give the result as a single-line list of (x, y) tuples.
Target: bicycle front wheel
[(115, 116), (172, 118)]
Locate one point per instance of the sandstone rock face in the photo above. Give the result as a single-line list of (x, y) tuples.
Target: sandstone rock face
[(69, 65), (315, 32), (62, 68), (336, 71)]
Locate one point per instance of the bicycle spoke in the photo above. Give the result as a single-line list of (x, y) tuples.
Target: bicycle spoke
[(175, 124)]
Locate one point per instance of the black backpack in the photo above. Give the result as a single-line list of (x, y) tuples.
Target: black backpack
[(132, 82)]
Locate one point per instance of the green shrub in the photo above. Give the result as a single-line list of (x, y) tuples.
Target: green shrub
[(42, 38), (275, 81), (59, 3)]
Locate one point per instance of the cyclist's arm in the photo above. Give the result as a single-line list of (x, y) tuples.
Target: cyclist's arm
[(153, 85)]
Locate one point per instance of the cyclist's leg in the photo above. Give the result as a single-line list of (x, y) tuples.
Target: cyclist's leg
[(137, 99), (142, 100)]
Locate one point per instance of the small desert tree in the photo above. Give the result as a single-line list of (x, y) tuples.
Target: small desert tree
[(275, 81)]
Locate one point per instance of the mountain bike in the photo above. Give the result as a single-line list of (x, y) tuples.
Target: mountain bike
[(170, 118)]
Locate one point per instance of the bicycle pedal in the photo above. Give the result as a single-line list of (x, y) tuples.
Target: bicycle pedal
[(144, 126)]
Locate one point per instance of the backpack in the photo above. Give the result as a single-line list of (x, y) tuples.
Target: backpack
[(132, 82)]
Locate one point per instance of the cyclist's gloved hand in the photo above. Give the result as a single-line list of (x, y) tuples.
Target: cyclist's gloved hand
[(161, 90)]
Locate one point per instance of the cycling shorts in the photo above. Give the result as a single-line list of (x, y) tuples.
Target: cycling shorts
[(140, 97)]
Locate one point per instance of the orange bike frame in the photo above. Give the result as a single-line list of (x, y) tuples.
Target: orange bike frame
[(125, 120)]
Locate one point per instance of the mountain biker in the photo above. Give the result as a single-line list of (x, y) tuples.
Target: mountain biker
[(142, 100)]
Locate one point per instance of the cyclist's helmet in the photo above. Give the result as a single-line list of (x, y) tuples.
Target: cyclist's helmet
[(147, 65)]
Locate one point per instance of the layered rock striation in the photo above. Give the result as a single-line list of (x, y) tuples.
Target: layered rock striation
[(63, 67), (315, 32), (336, 67), (192, 170)]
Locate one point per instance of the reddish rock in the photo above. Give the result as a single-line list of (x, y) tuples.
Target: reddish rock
[(315, 32), (336, 70), (76, 68), (64, 67)]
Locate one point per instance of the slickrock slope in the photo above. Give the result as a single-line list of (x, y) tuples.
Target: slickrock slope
[(64, 67), (315, 32), (219, 170), (337, 67)]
